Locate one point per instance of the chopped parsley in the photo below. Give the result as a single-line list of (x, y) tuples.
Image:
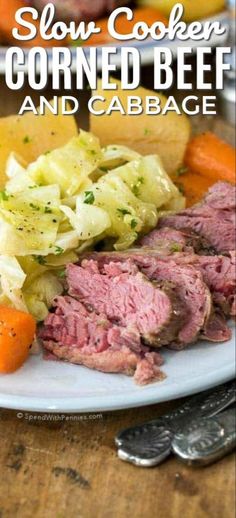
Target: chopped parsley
[(136, 187), (135, 190), (59, 250), (147, 132), (4, 196), (133, 223), (62, 274), (89, 198), (40, 259), (34, 207), (47, 210), (124, 211), (141, 180)]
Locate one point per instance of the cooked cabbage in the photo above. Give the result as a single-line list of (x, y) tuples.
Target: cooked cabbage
[(12, 279), (41, 293), (88, 221), (19, 179), (70, 166), (148, 180), (34, 217), (113, 156), (65, 202)]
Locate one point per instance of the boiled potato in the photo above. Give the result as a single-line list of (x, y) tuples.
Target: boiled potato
[(30, 136), (194, 9), (164, 135)]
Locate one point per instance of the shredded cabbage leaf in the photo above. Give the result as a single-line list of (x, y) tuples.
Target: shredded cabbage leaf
[(41, 293), (70, 166), (34, 218), (12, 279)]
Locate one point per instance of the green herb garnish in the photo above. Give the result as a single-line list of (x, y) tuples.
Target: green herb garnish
[(62, 274), (124, 211), (47, 210), (136, 187), (34, 207), (4, 196), (40, 259), (135, 190), (59, 250), (141, 180), (89, 198), (147, 132), (133, 223)]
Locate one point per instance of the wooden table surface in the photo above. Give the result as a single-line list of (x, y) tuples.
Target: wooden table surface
[(69, 468)]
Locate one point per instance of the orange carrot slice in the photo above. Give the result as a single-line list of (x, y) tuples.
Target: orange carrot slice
[(211, 157), (193, 186), (17, 330)]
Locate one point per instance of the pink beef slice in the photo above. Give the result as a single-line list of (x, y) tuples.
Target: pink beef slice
[(216, 329), (75, 334), (128, 299), (168, 240), (219, 273), (190, 289), (214, 218)]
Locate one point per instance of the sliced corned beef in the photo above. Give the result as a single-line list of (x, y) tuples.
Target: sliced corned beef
[(168, 240), (128, 298), (75, 334), (165, 240), (189, 287), (214, 218), (216, 329), (219, 273)]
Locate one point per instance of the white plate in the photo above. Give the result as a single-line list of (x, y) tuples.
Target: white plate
[(146, 48), (60, 387)]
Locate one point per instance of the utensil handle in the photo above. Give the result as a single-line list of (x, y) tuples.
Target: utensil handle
[(150, 443), (204, 441)]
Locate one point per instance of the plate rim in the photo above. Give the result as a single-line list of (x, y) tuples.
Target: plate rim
[(100, 403)]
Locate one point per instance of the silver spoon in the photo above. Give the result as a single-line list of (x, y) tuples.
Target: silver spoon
[(204, 441), (150, 443)]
